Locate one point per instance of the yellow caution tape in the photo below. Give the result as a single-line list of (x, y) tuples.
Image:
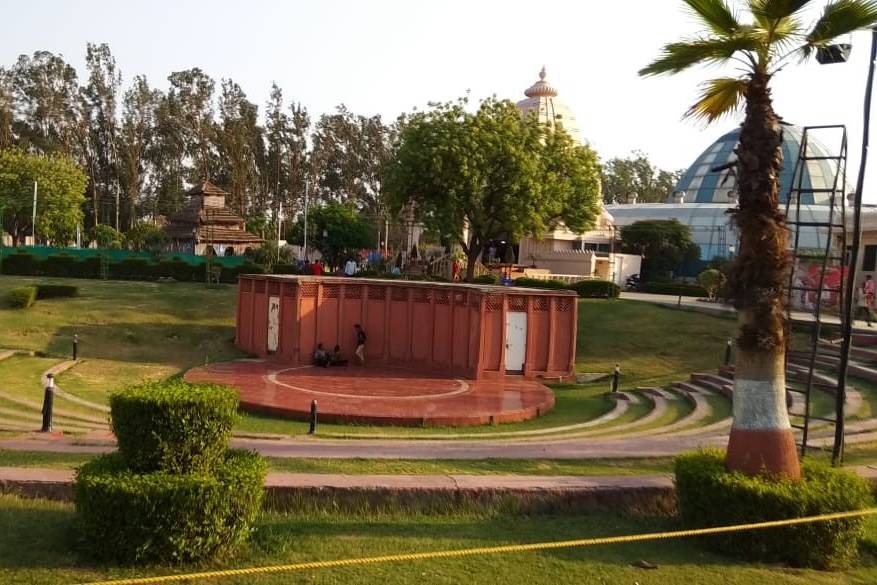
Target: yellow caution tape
[(488, 550)]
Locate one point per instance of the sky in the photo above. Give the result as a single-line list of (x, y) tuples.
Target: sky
[(384, 57)]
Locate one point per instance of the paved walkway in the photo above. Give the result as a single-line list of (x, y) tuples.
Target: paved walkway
[(693, 304)]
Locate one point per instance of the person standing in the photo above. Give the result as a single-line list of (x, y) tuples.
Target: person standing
[(359, 352), (349, 267), (868, 289)]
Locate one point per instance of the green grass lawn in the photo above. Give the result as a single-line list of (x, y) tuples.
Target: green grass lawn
[(36, 550), (132, 331)]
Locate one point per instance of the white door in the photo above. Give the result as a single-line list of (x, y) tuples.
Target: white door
[(515, 341), (273, 323)]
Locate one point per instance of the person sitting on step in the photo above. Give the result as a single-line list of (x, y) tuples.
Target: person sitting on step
[(321, 356), (336, 358)]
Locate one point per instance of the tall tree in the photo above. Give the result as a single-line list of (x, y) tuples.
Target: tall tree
[(664, 244), (6, 109), (636, 174), (761, 438), (191, 96), (45, 92), (135, 139), (101, 99), (61, 188), (491, 174), (166, 154), (240, 145)]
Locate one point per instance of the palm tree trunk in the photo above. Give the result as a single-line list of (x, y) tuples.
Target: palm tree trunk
[(761, 438)]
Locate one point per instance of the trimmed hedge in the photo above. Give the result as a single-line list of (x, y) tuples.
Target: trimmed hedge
[(59, 265), (527, 282), (710, 495), (56, 291), (596, 289), (161, 517), (22, 297), (674, 288), (487, 278), (173, 426), (20, 264), (132, 269)]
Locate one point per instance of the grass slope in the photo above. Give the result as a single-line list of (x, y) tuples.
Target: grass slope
[(131, 331)]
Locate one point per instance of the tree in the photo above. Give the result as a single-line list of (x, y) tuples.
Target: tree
[(146, 237), (191, 100), (337, 230), (664, 245), (240, 147), (61, 188), (135, 139), (106, 236), (711, 280), (636, 174), (491, 174), (761, 438), (99, 99)]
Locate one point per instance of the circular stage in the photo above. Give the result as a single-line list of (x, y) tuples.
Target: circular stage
[(383, 396)]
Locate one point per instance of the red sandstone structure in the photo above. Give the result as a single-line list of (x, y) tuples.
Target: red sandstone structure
[(459, 330)]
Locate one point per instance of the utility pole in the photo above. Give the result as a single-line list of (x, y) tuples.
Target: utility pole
[(305, 246), (34, 216), (117, 208), (279, 221)]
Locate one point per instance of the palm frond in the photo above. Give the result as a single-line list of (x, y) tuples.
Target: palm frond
[(769, 11), (839, 18), (715, 14), (680, 56), (719, 97)]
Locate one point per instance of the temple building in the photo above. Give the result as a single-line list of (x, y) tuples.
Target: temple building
[(205, 221), (561, 253)]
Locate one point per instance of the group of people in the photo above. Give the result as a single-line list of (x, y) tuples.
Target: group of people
[(324, 359)]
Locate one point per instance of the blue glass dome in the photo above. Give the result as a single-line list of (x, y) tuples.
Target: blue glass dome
[(703, 185)]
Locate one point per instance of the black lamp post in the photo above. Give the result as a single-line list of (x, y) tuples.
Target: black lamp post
[(839, 54)]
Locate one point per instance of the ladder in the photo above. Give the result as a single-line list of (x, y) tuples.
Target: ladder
[(828, 257)]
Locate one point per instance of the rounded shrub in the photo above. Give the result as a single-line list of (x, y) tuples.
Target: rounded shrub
[(173, 426), (22, 297), (708, 494), (596, 289), (163, 517)]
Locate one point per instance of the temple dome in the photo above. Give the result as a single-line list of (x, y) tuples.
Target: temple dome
[(702, 184), (542, 100)]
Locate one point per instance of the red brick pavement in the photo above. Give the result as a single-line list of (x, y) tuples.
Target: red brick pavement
[(387, 396)]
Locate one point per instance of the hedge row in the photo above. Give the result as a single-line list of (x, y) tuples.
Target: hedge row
[(710, 495), (673, 288), (63, 265), (586, 289)]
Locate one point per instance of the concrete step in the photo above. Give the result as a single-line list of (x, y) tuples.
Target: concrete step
[(865, 338), (690, 388), (714, 382)]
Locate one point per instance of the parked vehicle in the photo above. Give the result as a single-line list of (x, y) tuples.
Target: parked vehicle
[(632, 283)]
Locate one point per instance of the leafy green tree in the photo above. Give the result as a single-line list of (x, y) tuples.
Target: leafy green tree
[(61, 187), (106, 236), (337, 230), (146, 237), (636, 174), (490, 174), (761, 438), (663, 244)]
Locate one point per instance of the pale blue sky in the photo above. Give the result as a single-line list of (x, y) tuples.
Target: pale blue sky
[(386, 57)]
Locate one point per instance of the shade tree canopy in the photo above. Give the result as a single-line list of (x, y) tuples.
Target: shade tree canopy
[(60, 195), (489, 174)]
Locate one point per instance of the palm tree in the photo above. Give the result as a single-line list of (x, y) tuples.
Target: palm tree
[(761, 438)]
